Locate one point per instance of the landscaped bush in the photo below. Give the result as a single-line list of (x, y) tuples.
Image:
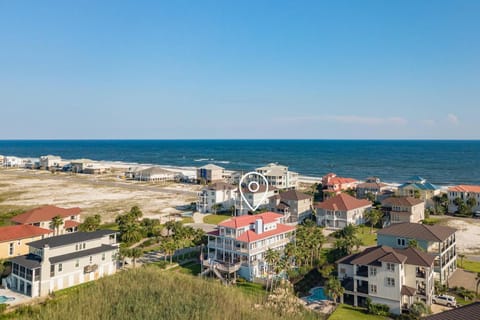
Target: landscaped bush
[(377, 308)]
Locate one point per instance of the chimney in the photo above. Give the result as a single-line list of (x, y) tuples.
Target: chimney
[(259, 226)]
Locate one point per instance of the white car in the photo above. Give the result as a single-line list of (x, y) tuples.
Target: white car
[(445, 300)]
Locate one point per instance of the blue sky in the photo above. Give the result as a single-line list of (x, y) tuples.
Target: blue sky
[(239, 69)]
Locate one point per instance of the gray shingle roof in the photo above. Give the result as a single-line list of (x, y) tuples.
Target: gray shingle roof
[(468, 312), (418, 231), (70, 238), (82, 253), (29, 261)]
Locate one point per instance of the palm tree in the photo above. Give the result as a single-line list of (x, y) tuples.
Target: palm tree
[(216, 207), (334, 289), (57, 221), (136, 213), (122, 254), (135, 253), (170, 225), (471, 203), (373, 216), (412, 243), (271, 258), (461, 256), (91, 223), (131, 233)]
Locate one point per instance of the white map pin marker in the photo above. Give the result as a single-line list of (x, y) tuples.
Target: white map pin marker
[(253, 187)]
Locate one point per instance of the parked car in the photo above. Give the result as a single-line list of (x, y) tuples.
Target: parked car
[(445, 300)]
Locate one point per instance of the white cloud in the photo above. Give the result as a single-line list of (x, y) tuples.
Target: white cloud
[(349, 119), (453, 119)]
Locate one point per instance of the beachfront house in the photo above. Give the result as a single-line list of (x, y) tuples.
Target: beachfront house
[(258, 199), (14, 239), (333, 185), (394, 277), (64, 261), (403, 209), (372, 186), (294, 205), (340, 211), (42, 217), (210, 173), (239, 244), (49, 162), (154, 174), (278, 176), (463, 192), (418, 187), (437, 240), (218, 196)]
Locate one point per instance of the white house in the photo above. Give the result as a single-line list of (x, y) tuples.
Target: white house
[(278, 176), (341, 210), (463, 192), (394, 277), (154, 174), (220, 193), (49, 161), (259, 198)]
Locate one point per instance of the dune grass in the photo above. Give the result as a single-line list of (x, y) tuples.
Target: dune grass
[(150, 293), (470, 265), (344, 312)]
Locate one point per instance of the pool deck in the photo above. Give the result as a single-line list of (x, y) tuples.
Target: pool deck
[(19, 298)]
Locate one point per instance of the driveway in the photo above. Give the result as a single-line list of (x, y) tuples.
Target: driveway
[(462, 278)]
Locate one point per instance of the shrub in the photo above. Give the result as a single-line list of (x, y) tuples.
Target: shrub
[(377, 308), (3, 307)]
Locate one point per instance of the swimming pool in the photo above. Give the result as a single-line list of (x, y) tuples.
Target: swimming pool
[(4, 299), (316, 294)]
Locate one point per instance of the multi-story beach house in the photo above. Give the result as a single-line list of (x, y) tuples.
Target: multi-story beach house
[(240, 243), (154, 174), (404, 209), (63, 261), (340, 211), (394, 277), (333, 185), (373, 186), (210, 173), (278, 176), (418, 187), (463, 192), (42, 217), (221, 194), (49, 162), (437, 240), (258, 199), (294, 205), (14, 239)]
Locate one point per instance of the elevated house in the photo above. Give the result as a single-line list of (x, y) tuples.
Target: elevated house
[(372, 186), (463, 192), (49, 162), (258, 199), (210, 173), (404, 209), (64, 261), (394, 277), (333, 185), (219, 193), (417, 187), (340, 211), (14, 239), (154, 174), (239, 244), (42, 217), (437, 240), (278, 176), (294, 205)]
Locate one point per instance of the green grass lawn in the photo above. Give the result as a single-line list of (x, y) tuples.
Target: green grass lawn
[(470, 265), (191, 268), (216, 218), (368, 239), (346, 312), (187, 220), (109, 226), (251, 288)]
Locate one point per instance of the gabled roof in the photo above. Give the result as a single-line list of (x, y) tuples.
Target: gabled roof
[(70, 238), (294, 195), (45, 213), (371, 185), (211, 166), (153, 171), (21, 231), (418, 231), (340, 180), (250, 235), (465, 188), (417, 257), (343, 202), (408, 291), (468, 312), (402, 201), (243, 221), (419, 185), (71, 224)]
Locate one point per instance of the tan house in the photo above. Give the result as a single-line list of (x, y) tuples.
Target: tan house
[(294, 205), (210, 173), (154, 174), (404, 209), (14, 239), (333, 185), (372, 186), (463, 192), (418, 187), (42, 217), (341, 210), (278, 176)]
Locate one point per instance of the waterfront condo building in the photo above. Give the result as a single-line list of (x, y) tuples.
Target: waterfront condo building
[(14, 239), (294, 205), (278, 176), (437, 240), (242, 242), (42, 217), (404, 209), (463, 192), (63, 261), (394, 277), (333, 185), (221, 194), (340, 211), (210, 173)]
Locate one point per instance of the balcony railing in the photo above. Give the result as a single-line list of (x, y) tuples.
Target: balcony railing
[(347, 283), (363, 289), (362, 272)]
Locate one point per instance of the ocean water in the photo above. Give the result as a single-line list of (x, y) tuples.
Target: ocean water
[(440, 162)]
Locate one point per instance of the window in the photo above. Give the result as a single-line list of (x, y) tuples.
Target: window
[(401, 242), (91, 259), (60, 267), (52, 270), (11, 249), (77, 263), (342, 270), (84, 245), (373, 288), (76, 247), (373, 271), (390, 267), (103, 256), (390, 282)]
